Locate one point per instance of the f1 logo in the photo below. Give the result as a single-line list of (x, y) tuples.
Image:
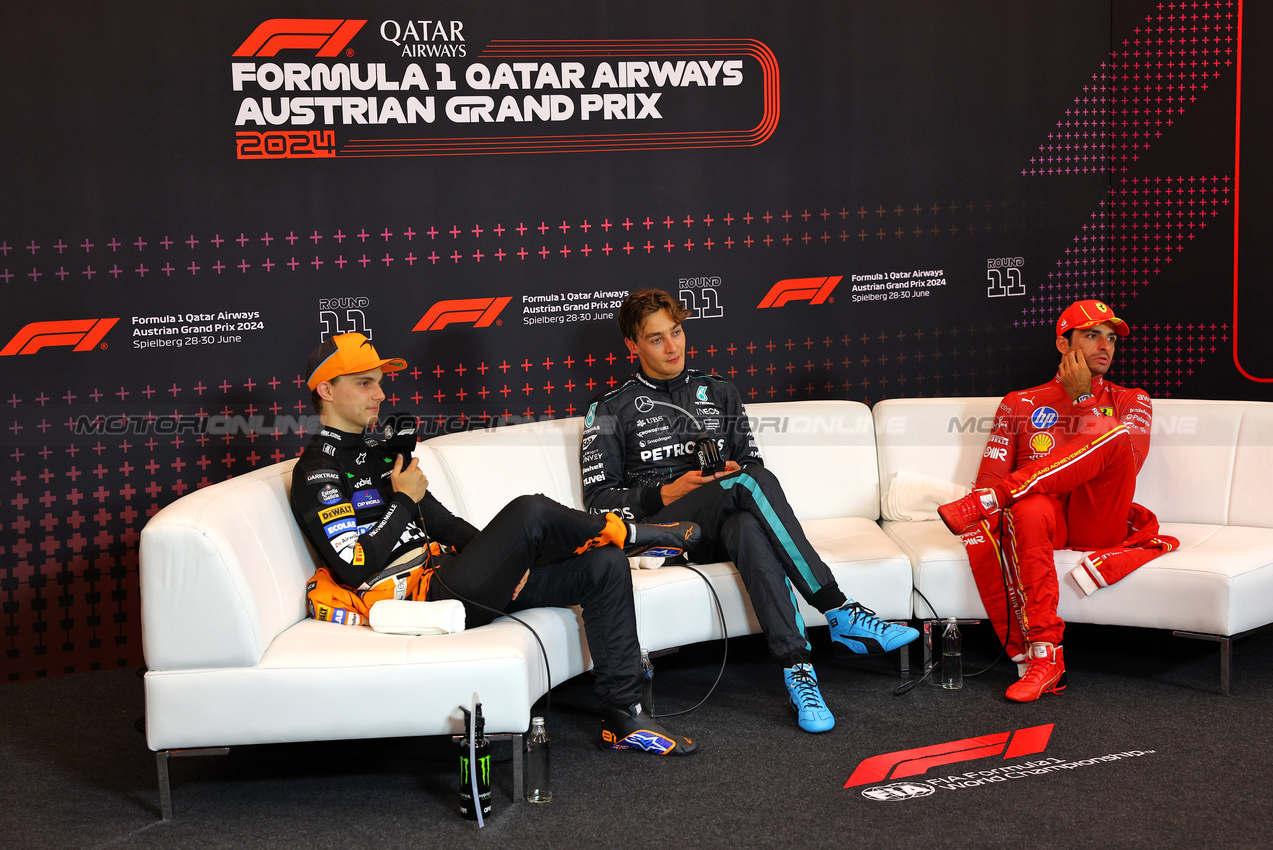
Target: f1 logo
[(84, 334), (482, 312), (914, 762), (328, 36), (815, 290)]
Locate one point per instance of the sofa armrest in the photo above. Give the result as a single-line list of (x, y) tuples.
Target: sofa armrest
[(223, 572)]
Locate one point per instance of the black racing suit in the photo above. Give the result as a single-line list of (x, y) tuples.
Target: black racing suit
[(340, 471), (641, 436)]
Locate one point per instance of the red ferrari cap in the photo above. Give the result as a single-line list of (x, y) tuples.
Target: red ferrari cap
[(1085, 314)]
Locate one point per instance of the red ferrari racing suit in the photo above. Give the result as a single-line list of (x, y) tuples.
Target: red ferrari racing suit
[(1065, 475)]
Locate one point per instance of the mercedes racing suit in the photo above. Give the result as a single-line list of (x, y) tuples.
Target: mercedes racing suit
[(641, 435), (377, 544), (1066, 474)]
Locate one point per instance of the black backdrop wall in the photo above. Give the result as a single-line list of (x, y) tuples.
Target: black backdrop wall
[(856, 200)]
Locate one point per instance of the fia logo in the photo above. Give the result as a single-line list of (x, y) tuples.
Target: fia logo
[(898, 791)]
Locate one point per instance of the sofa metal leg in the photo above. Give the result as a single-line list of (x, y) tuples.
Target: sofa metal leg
[(928, 644), (518, 740), (165, 786), (165, 783), (519, 767), (1226, 653)]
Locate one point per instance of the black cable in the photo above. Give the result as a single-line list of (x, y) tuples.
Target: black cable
[(542, 651), (547, 670), (720, 614)]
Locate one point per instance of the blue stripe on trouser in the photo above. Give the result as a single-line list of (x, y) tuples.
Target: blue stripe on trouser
[(779, 530), (795, 607)]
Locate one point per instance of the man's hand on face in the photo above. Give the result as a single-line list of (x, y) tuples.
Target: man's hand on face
[(692, 480), (1076, 378), (410, 480)]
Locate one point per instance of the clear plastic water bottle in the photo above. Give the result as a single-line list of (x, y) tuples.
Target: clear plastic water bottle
[(952, 670), (539, 788)]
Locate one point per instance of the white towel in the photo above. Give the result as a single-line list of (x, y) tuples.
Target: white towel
[(914, 497), (405, 617)]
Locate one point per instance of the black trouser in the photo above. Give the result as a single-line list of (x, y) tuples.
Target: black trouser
[(746, 519), (537, 534)]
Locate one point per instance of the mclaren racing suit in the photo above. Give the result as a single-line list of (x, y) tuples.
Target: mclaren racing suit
[(377, 544), (641, 435), (1067, 473)]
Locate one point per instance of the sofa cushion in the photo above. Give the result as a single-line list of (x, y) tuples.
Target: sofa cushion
[(487, 469)]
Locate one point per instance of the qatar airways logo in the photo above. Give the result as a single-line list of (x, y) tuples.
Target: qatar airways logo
[(426, 38)]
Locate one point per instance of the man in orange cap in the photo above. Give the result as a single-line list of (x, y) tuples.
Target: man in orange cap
[(1058, 472), (381, 534)]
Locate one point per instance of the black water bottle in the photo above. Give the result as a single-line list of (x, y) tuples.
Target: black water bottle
[(475, 765)]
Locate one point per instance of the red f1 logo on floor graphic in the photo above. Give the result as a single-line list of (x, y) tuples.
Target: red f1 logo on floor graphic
[(480, 311), (327, 36), (904, 763), (84, 334), (815, 290)]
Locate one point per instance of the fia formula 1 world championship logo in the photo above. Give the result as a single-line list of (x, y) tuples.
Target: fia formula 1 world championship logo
[(815, 290), (80, 334), (1002, 746), (327, 37), (481, 312)]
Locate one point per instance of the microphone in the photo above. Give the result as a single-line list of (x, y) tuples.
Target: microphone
[(399, 434), (709, 459), (705, 450)]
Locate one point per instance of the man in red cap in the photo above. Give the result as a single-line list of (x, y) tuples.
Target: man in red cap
[(381, 534), (1058, 472)]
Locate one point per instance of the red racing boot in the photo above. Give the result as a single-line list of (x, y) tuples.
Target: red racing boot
[(962, 515), (1045, 675)]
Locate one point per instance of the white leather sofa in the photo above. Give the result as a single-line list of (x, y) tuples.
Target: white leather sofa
[(1207, 477), (232, 659)]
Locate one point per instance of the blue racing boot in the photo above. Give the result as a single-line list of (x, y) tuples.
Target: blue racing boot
[(856, 627), (811, 710)]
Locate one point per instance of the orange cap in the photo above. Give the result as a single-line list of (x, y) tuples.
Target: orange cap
[(1085, 314), (354, 353)]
